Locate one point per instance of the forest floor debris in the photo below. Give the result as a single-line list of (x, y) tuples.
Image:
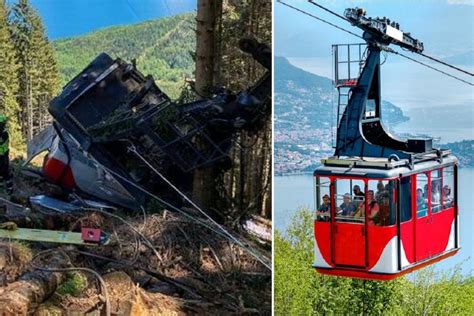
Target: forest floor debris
[(193, 269)]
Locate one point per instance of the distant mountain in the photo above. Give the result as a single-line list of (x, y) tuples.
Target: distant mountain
[(305, 99), (162, 48), (464, 151)]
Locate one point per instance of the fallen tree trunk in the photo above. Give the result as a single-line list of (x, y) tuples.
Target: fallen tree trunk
[(30, 290), (14, 261)]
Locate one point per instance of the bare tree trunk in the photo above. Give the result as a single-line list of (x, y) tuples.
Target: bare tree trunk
[(29, 108), (204, 184), (266, 207)]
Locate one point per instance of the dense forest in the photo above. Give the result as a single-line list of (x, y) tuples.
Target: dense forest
[(299, 290), (28, 71), (162, 48), (246, 187)]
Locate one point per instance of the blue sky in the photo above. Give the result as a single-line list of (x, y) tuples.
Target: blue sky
[(65, 18), (445, 26)]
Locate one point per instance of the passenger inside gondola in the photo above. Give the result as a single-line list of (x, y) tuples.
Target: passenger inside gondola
[(435, 196), (447, 198), (324, 211), (421, 203), (373, 208), (380, 190), (383, 216), (358, 194), (347, 207)]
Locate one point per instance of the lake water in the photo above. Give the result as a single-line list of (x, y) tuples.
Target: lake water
[(294, 192)]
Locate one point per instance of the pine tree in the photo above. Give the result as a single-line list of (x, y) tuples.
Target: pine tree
[(248, 184), (46, 83), (8, 80), (37, 72), (246, 187)]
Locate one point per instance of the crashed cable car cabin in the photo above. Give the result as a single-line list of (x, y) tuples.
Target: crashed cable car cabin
[(384, 206)]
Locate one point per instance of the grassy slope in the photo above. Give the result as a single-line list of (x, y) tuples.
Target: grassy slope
[(161, 47)]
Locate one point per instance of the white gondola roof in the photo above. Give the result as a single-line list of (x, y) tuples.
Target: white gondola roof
[(381, 167)]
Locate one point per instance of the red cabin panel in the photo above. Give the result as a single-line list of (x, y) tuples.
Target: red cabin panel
[(58, 172), (362, 274), (441, 223), (424, 234), (322, 232), (407, 230), (378, 238), (349, 244)]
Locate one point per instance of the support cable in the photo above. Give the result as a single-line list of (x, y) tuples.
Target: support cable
[(225, 235), (431, 67), (318, 18), (446, 64), (328, 10), (385, 48), (191, 202), (422, 54)]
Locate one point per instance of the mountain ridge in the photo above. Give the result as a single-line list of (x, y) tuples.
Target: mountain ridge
[(312, 95), (162, 48)]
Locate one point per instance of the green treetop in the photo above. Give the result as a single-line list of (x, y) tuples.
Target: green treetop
[(8, 79)]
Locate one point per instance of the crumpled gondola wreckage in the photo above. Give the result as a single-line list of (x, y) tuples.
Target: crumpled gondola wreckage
[(114, 130)]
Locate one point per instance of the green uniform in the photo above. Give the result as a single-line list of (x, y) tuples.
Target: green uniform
[(5, 177)]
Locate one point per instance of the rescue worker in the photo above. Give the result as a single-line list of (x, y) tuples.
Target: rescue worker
[(6, 183)]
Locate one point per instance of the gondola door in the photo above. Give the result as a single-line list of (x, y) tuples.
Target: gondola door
[(348, 232), (424, 219)]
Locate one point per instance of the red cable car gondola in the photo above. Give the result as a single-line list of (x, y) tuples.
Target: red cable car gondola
[(384, 206), (403, 228)]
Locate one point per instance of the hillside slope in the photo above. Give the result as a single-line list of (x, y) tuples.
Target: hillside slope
[(162, 48)]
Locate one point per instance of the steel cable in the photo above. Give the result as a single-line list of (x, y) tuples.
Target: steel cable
[(201, 222), (387, 49), (184, 196)]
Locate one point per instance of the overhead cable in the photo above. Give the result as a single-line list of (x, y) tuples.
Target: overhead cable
[(387, 49), (422, 54), (431, 67), (328, 10), (320, 19), (446, 64)]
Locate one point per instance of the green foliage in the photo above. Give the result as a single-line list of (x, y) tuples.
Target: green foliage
[(446, 293), (8, 80), (241, 19), (37, 72), (160, 47), (74, 285), (299, 290)]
